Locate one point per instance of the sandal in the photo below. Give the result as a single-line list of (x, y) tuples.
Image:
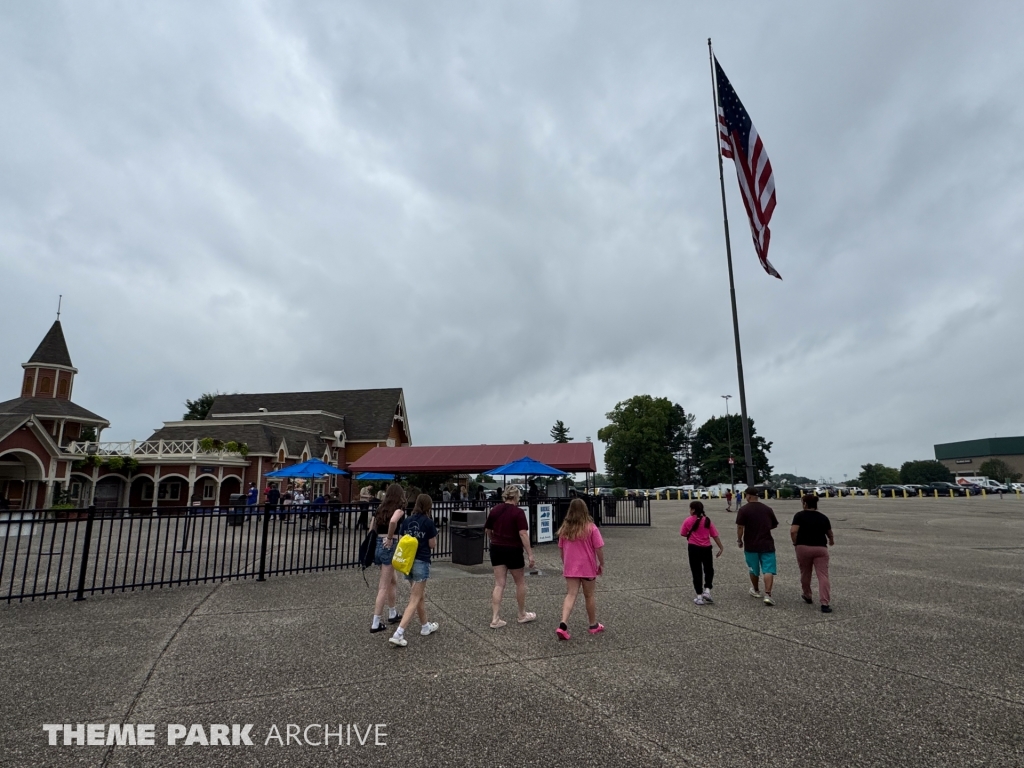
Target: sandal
[(528, 617), (498, 624)]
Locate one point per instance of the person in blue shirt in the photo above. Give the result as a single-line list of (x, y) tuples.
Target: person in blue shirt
[(419, 524), (253, 495)]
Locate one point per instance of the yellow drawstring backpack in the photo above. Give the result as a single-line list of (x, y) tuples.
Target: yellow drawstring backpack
[(405, 553)]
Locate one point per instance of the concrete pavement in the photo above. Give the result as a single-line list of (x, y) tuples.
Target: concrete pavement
[(921, 663)]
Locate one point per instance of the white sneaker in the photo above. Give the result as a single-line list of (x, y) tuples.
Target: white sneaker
[(429, 628), (768, 600), (398, 640), (755, 593), (699, 600), (707, 596)]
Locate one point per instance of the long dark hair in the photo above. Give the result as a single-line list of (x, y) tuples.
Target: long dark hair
[(697, 508), (394, 498), (423, 505)]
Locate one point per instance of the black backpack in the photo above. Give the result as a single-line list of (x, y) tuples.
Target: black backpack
[(368, 549)]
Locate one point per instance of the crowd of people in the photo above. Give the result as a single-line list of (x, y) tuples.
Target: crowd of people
[(810, 534), (581, 548)]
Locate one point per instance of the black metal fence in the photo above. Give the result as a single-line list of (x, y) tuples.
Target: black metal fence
[(625, 511), (74, 553)]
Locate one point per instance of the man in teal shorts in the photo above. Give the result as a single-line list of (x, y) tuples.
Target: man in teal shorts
[(754, 523)]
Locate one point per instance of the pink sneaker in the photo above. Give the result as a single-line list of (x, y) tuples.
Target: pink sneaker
[(563, 634), (595, 630)]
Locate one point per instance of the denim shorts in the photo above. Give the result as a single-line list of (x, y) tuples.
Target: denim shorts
[(420, 571), (383, 555), (760, 562)]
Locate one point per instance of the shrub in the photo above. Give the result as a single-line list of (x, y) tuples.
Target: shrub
[(619, 493), (206, 444), (114, 463)]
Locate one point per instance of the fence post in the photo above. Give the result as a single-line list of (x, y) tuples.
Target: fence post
[(263, 544), (80, 594)]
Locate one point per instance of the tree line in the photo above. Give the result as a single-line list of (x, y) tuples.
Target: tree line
[(653, 442), (929, 471)]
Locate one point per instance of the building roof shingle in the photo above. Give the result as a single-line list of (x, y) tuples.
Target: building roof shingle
[(368, 413), (48, 407), (53, 349)]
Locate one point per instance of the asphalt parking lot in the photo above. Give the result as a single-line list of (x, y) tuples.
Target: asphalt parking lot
[(919, 665)]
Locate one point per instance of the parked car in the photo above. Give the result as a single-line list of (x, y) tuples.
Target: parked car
[(943, 489), (913, 488), (890, 491), (852, 490), (972, 488)]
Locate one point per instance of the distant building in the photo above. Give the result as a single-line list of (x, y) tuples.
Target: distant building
[(965, 458), (37, 428), (46, 447)]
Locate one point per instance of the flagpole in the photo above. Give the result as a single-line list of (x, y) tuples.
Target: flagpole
[(747, 457)]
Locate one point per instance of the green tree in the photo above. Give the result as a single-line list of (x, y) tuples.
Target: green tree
[(874, 475), (924, 472), (997, 469), (200, 407), (711, 450), (560, 432), (644, 437)]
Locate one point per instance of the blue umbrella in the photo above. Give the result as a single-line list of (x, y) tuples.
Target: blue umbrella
[(525, 466), (374, 476), (308, 469)]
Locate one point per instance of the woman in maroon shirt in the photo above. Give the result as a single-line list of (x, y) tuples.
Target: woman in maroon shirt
[(509, 534)]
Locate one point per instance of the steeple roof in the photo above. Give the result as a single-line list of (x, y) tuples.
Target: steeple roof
[(52, 350)]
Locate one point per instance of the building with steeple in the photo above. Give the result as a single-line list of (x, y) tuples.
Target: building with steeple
[(37, 428), (50, 448)]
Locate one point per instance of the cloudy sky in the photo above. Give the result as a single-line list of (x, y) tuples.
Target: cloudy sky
[(512, 211)]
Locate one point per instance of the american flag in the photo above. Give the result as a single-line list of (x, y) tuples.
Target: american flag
[(739, 140)]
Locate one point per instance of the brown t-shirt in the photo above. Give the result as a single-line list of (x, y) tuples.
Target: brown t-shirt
[(505, 522), (757, 520)]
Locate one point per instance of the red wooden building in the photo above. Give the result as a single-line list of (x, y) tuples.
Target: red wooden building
[(50, 447)]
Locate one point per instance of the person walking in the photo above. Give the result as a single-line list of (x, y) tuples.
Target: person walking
[(582, 549), (419, 525), (389, 514), (754, 523), (811, 533), (286, 503), (252, 496), (273, 498), (509, 534), (728, 500), (698, 530)]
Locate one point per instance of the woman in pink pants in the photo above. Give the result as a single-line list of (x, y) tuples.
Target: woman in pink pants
[(811, 533)]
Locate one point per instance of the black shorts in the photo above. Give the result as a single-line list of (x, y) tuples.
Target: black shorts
[(510, 557)]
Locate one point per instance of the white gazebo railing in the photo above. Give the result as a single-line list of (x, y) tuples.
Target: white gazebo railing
[(156, 449)]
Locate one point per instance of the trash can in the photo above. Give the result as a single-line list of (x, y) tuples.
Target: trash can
[(236, 509), (640, 501), (467, 527), (610, 502)]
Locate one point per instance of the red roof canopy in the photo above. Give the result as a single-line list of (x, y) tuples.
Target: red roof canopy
[(453, 459)]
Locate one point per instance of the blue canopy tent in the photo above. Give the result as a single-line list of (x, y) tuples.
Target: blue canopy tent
[(525, 466), (307, 469), (374, 476)]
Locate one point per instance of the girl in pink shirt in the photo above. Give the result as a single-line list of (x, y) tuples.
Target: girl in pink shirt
[(699, 531), (582, 551)]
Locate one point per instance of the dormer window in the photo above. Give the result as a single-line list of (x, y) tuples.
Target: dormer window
[(62, 388), (26, 391), (280, 456), (44, 385)]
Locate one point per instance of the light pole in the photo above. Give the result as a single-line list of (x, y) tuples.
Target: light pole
[(728, 428)]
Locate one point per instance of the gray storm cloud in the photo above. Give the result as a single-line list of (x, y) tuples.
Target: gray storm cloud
[(512, 212)]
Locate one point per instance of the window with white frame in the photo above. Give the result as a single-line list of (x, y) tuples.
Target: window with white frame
[(208, 490)]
